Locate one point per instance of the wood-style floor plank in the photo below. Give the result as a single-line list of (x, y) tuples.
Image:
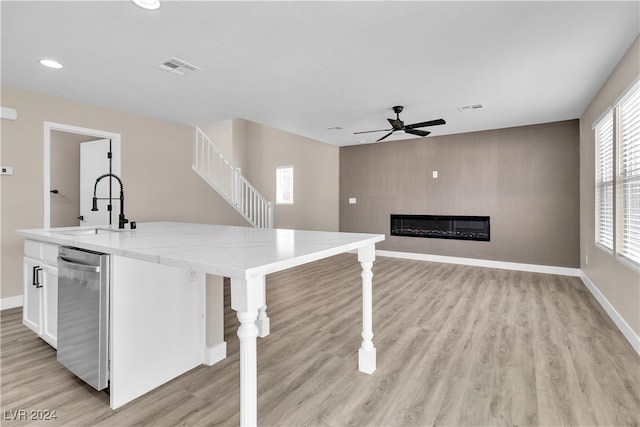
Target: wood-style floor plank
[(457, 345)]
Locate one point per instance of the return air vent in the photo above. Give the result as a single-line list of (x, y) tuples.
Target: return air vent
[(177, 66), (472, 107)]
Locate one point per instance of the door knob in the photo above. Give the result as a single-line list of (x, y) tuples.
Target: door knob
[(54, 191), (81, 217)]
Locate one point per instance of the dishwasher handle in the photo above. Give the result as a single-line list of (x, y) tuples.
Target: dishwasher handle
[(76, 266)]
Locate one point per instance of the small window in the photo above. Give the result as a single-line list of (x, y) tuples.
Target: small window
[(284, 185)]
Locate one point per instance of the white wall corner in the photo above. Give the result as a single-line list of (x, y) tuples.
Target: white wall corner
[(11, 302), (8, 113), (624, 327), (215, 354)]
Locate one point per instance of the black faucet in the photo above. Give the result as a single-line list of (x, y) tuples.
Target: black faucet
[(121, 219)]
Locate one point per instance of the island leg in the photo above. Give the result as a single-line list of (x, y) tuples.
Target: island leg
[(263, 322), (247, 296), (247, 333), (367, 352)]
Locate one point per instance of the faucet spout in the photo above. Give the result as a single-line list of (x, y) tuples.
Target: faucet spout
[(122, 220)]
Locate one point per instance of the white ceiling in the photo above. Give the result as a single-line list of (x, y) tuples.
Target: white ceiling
[(306, 66)]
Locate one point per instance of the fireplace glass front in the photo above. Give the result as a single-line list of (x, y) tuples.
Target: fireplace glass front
[(441, 226)]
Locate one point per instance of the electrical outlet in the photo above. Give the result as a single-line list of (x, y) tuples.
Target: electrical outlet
[(352, 200), (434, 174), (192, 275)]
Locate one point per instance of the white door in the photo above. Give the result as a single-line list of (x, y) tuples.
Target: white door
[(94, 162)]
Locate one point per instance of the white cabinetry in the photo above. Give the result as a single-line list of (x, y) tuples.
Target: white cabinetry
[(32, 310), (40, 272)]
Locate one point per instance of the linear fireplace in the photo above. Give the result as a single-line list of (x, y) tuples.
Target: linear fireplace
[(441, 226)]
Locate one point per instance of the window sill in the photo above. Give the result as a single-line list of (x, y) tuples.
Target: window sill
[(634, 265), (628, 262), (604, 249)]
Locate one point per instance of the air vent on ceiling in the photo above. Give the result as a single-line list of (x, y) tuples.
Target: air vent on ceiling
[(472, 107), (177, 66)]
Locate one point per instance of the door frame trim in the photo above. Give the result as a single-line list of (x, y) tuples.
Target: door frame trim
[(50, 126)]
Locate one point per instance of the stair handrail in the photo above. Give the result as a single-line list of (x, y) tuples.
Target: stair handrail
[(228, 181)]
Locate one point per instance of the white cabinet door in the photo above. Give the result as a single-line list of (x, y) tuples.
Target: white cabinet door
[(50, 305), (32, 308)]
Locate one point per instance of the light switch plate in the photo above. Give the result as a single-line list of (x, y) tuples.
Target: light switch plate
[(352, 200), (434, 174), (6, 170)]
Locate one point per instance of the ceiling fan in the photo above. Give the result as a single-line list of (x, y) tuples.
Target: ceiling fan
[(397, 125)]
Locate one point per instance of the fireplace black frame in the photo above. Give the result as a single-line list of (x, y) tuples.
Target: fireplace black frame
[(459, 227)]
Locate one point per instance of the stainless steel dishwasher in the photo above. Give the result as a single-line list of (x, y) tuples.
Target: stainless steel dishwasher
[(83, 314)]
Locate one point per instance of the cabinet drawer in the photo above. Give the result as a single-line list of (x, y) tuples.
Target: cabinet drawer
[(50, 253), (33, 249)]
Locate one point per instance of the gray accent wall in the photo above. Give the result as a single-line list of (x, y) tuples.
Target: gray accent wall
[(525, 178)]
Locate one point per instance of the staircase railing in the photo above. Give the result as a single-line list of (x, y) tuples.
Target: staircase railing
[(226, 179)]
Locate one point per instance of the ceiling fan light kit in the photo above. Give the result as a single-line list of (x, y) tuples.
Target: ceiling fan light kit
[(398, 125)]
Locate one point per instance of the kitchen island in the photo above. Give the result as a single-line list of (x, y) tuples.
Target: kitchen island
[(169, 253)]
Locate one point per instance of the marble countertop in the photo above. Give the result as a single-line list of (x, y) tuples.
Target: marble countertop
[(230, 251)]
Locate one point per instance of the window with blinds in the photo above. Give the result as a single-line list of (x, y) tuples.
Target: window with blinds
[(617, 138), (604, 182), (629, 173)]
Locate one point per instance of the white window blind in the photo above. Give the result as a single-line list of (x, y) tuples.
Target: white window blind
[(604, 182), (629, 173)]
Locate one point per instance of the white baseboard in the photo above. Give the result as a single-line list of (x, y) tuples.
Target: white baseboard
[(533, 268), (215, 354), (11, 302), (624, 327)]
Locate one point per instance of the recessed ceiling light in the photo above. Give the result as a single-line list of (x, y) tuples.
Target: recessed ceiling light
[(50, 63), (147, 4)]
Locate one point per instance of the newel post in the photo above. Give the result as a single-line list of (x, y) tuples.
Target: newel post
[(270, 214)]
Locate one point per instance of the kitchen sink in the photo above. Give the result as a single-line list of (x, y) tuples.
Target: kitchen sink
[(89, 231)]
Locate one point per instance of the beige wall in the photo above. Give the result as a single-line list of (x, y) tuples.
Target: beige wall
[(156, 169), (524, 178), (258, 149), (316, 176), (221, 134), (618, 282)]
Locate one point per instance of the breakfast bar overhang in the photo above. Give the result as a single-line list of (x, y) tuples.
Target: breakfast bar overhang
[(245, 255)]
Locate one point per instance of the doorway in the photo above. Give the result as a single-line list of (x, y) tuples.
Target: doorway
[(62, 180)]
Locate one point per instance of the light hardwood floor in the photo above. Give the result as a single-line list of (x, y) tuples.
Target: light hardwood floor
[(457, 345)]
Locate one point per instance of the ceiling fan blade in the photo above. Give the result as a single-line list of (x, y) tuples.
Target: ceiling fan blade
[(396, 124), (424, 124), (417, 132), (369, 131), (384, 136)]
